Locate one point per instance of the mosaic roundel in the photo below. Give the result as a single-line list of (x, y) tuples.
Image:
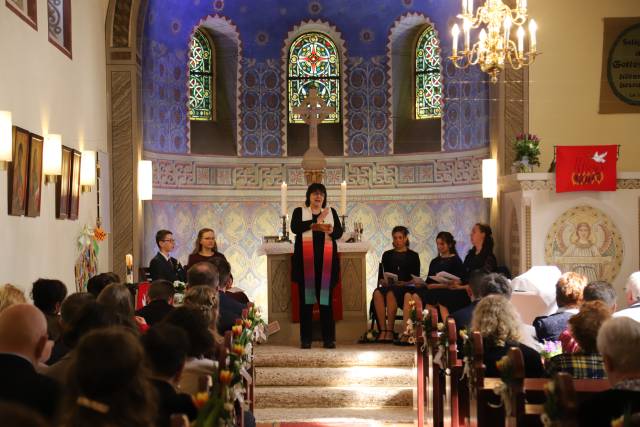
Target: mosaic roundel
[(585, 240)]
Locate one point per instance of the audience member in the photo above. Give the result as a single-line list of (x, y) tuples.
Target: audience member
[(632, 292), (205, 299), (499, 324), (201, 345), (109, 383), (203, 274), (163, 265), (10, 295), (584, 327), (161, 302), (225, 280), (17, 415), (480, 256), (97, 283), (481, 285), (618, 343), (165, 347), (116, 298), (569, 289), (69, 309), (23, 340), (47, 295)]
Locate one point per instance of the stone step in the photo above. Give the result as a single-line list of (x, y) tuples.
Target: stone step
[(389, 416), (333, 397), (349, 376), (343, 356)]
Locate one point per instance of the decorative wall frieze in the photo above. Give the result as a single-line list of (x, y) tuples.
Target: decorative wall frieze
[(211, 173)]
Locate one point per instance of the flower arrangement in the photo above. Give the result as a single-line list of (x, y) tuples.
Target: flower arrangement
[(550, 349), (527, 148)]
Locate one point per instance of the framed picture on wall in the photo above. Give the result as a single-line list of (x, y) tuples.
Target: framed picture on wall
[(74, 188), (17, 181), (34, 191), (63, 185)]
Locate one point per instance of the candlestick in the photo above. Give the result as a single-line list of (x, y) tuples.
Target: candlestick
[(285, 232), (343, 198), (283, 198)]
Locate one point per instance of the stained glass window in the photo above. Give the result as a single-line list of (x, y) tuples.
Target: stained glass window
[(314, 61), (201, 96), (427, 77)]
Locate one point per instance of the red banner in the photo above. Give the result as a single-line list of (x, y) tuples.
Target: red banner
[(586, 168)]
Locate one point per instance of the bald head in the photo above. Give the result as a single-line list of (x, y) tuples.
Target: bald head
[(23, 331)]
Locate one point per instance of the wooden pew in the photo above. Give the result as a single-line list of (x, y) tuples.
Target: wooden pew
[(223, 354), (422, 374), (436, 376), (456, 403), (481, 391)]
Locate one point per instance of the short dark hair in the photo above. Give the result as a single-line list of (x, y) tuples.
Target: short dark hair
[(73, 304), (400, 229), (46, 293), (160, 235), (600, 291), (495, 284), (224, 270), (97, 283), (192, 321), (203, 274), (89, 317), (161, 290), (165, 346), (313, 188)]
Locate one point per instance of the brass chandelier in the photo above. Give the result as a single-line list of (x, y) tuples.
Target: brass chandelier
[(495, 45)]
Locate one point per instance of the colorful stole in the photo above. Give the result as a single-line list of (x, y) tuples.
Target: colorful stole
[(308, 259)]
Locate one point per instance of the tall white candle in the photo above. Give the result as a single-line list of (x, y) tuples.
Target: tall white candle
[(283, 199), (533, 27), (520, 40), (467, 34), (455, 32), (128, 261), (343, 198)]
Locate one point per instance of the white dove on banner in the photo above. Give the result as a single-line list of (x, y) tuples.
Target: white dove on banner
[(599, 158)]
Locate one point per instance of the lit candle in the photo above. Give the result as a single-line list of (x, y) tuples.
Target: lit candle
[(520, 41), (455, 32), (283, 199), (523, 4), (533, 27), (470, 7), (467, 29), (482, 38), (343, 198), (128, 261), (507, 28), (464, 6)]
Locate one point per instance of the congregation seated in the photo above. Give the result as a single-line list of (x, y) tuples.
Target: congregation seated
[(632, 293), (160, 294), (205, 248), (69, 309), (97, 283), (165, 347), (109, 382), (23, 343), (499, 325), (225, 282), (48, 295), (481, 285), (10, 295), (116, 298), (618, 341), (569, 289), (206, 300), (584, 327), (594, 291)]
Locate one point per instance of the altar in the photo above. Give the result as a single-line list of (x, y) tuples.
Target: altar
[(353, 291)]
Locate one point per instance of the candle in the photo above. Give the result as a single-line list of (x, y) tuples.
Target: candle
[(455, 32), (467, 29), (343, 198), (464, 6), (533, 27), (470, 7), (283, 199), (482, 38), (520, 41), (128, 261), (507, 28)]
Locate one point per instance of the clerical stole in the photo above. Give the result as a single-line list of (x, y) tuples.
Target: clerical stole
[(308, 259)]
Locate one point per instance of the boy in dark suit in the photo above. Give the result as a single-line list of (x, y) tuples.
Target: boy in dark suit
[(164, 266)]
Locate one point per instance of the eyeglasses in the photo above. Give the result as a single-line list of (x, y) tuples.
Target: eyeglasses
[(169, 240)]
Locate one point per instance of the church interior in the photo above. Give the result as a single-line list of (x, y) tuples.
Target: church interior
[(305, 173)]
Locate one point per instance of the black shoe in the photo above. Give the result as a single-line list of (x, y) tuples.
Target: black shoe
[(329, 344), (305, 345)]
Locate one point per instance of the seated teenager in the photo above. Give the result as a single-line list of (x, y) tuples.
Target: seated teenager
[(70, 308), (499, 324), (48, 295), (206, 300), (618, 341), (165, 348), (481, 285), (97, 283), (404, 263), (206, 248), (226, 282), (569, 291), (584, 327), (163, 265), (117, 299), (480, 256), (161, 302)]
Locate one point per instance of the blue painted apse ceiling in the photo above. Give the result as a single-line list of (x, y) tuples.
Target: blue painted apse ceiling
[(263, 27)]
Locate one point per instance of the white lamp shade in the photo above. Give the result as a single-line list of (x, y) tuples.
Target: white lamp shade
[(52, 155), (88, 168), (6, 140), (145, 180), (489, 178)]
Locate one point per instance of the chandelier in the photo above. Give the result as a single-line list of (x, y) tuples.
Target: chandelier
[(495, 45)]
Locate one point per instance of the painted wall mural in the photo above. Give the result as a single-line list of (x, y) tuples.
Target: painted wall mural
[(262, 27), (240, 226)]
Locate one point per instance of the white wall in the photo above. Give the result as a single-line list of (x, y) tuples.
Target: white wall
[(48, 92)]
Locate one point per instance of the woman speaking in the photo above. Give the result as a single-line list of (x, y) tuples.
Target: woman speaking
[(315, 265)]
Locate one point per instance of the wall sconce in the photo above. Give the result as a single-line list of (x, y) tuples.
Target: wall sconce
[(489, 178), (6, 139), (52, 157), (87, 171), (145, 180)]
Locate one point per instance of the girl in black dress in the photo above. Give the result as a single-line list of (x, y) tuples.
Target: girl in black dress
[(480, 256)]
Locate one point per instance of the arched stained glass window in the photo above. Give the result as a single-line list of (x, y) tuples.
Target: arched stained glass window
[(201, 82), (314, 61), (427, 77)]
